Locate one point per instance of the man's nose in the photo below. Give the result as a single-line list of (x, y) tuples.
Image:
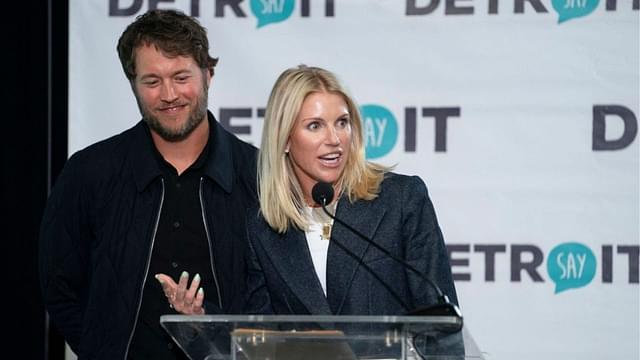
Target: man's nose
[(168, 93)]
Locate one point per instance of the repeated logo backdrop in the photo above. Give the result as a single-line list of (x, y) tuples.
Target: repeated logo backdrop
[(520, 115)]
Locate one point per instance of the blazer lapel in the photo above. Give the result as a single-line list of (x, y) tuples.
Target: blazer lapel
[(291, 257), (347, 249)]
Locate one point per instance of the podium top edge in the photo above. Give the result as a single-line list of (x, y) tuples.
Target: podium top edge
[(382, 319)]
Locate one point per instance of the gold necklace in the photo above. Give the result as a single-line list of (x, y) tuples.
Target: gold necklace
[(326, 231), (327, 222)]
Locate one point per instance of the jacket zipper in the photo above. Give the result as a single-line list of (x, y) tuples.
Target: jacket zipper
[(146, 271), (206, 230)]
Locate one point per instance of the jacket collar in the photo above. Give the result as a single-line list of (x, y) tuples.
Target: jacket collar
[(343, 260), (290, 255), (219, 165)]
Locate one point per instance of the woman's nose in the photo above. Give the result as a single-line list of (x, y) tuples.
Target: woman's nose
[(332, 136)]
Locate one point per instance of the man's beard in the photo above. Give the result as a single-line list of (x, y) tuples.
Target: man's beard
[(196, 116)]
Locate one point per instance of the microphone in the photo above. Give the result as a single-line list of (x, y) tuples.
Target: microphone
[(322, 194)]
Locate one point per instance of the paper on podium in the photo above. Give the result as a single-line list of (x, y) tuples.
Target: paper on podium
[(259, 344)]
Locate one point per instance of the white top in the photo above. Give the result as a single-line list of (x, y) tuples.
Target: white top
[(318, 246)]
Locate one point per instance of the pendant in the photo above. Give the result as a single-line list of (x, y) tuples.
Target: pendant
[(326, 231)]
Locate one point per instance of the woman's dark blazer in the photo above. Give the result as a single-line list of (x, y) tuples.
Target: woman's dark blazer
[(361, 280)]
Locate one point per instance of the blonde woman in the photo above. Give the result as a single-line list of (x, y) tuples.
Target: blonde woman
[(304, 263)]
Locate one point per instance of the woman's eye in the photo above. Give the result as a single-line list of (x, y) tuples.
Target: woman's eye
[(342, 123), (313, 126)]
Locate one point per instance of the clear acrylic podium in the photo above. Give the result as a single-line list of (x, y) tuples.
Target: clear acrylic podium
[(311, 337)]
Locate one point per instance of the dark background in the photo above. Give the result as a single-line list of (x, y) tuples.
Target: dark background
[(34, 149)]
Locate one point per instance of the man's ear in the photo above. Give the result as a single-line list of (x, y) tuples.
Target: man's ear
[(209, 74)]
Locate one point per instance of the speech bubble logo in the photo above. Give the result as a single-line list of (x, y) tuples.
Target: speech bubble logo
[(571, 9), (570, 266), (380, 130), (271, 11)]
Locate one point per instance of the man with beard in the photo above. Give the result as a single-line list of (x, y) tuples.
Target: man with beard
[(150, 221)]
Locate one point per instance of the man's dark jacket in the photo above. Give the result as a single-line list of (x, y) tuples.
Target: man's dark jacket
[(99, 225)]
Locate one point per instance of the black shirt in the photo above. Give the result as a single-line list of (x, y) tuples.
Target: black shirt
[(181, 244)]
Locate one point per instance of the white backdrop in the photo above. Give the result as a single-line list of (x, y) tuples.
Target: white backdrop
[(542, 220)]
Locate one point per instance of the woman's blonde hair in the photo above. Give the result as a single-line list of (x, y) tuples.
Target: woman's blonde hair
[(280, 194)]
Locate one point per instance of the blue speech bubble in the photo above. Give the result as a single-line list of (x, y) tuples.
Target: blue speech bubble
[(570, 9), (271, 11), (570, 266), (380, 130)]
